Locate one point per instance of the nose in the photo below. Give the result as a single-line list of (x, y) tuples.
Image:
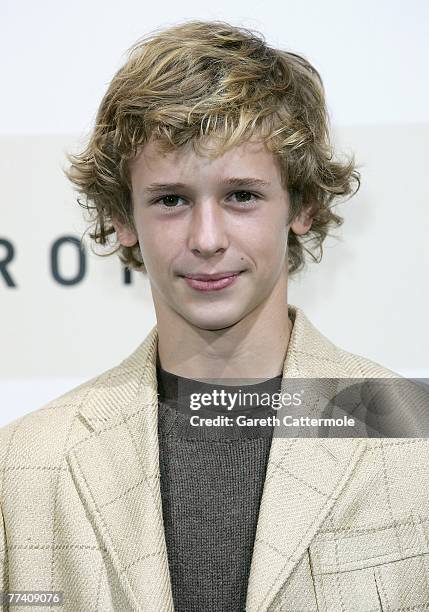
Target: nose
[(207, 231)]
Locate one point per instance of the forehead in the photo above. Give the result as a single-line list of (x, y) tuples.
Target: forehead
[(151, 162)]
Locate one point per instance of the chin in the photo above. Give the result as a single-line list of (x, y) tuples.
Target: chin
[(217, 327), (215, 323)]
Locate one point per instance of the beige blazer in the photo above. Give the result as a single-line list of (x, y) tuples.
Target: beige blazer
[(343, 523)]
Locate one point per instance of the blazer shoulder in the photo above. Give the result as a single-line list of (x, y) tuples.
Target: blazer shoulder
[(312, 353), (358, 366), (43, 436), (399, 405)]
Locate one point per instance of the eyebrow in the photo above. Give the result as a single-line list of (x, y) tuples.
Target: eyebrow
[(246, 181)]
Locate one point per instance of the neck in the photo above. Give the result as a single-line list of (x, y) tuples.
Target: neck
[(255, 347)]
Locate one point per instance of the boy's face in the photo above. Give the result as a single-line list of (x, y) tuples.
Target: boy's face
[(210, 225)]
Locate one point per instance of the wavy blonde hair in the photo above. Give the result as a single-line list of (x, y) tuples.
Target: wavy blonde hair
[(210, 78)]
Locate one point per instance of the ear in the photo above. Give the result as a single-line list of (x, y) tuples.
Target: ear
[(302, 223), (126, 236)]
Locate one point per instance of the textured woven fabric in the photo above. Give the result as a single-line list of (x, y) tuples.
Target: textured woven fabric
[(342, 527)]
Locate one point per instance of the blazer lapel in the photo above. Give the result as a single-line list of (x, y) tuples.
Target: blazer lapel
[(304, 476), (304, 479), (116, 473)]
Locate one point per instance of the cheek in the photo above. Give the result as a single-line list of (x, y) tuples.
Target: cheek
[(268, 241), (158, 247), (147, 237)]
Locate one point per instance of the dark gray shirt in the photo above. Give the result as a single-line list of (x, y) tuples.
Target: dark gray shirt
[(211, 487)]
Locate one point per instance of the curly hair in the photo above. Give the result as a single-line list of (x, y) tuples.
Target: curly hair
[(203, 79)]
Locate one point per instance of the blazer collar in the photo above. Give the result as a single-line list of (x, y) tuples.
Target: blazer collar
[(115, 469)]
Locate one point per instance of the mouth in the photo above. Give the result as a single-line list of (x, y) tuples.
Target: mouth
[(212, 277), (212, 282)]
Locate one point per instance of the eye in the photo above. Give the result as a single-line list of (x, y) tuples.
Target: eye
[(245, 193), (169, 197), (169, 201)]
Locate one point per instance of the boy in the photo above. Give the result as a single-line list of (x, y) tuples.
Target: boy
[(210, 161)]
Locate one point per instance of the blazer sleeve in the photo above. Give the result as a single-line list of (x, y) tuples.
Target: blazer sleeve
[(3, 556)]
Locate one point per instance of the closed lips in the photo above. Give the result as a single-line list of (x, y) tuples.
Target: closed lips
[(212, 277)]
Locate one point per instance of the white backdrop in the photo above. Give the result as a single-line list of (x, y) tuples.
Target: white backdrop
[(369, 295)]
